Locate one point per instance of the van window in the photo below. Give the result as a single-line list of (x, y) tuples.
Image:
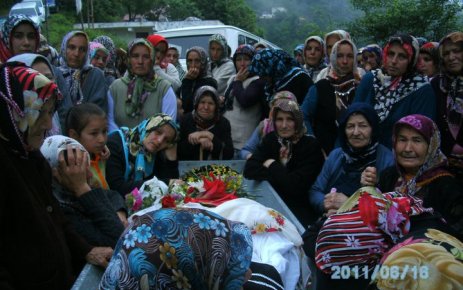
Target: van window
[(141, 34), (25, 11), (183, 43), (241, 39), (251, 41)]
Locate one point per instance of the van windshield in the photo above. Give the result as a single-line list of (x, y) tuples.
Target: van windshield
[(25, 11), (183, 43)]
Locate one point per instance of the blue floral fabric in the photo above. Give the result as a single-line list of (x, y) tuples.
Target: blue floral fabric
[(180, 249)]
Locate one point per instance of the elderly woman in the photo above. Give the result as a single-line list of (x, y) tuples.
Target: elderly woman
[(197, 75), (26, 106), (314, 56), (331, 96), (359, 149), (80, 81), (287, 158), (140, 94), (95, 213), (140, 153), (281, 72), (19, 34), (181, 249), (204, 133), (243, 99)]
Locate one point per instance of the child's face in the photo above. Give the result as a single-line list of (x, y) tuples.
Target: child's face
[(94, 136)]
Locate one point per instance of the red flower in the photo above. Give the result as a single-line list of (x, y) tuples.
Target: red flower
[(190, 190), (168, 201), (280, 220), (368, 210), (214, 189)]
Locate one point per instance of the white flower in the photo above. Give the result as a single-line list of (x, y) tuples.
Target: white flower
[(352, 242), (199, 185)]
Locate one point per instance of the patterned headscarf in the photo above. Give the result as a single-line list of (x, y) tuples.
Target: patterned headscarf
[(139, 87), (73, 76), (23, 91), (94, 47), (454, 37), (359, 159), (321, 64), (204, 68), (376, 49), (220, 39), (411, 46), (109, 44), (290, 106), (144, 161), (435, 162), (334, 57), (299, 50), (244, 49), (9, 25), (180, 249), (268, 123), (200, 93)]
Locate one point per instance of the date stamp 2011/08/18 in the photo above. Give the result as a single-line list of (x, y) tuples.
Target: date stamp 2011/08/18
[(380, 271)]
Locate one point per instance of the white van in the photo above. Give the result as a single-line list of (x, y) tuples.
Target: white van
[(184, 38), (40, 8), (27, 8)]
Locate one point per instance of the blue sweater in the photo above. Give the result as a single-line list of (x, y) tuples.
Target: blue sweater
[(333, 175), (421, 101)]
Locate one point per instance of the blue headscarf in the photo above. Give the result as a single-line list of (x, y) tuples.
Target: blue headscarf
[(180, 249)]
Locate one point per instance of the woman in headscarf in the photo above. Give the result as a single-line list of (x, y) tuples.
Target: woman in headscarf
[(81, 82), (140, 94), (19, 34), (397, 89), (287, 158), (111, 72), (94, 214), (181, 249), (197, 75), (359, 149), (314, 56), (281, 72), (140, 153), (372, 57), (41, 64), (331, 96), (99, 57), (27, 102), (162, 67), (222, 68), (428, 59), (205, 133), (448, 86), (244, 103), (265, 126)]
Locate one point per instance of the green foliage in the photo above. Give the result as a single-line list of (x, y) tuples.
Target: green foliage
[(428, 18), (58, 25), (180, 9)]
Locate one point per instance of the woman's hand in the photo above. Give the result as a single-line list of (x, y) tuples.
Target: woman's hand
[(105, 153), (368, 177), (268, 162), (334, 200), (206, 144), (99, 256), (72, 173), (195, 137), (123, 217), (242, 74), (192, 73)]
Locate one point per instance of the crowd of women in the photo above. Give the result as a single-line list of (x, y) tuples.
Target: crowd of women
[(330, 128)]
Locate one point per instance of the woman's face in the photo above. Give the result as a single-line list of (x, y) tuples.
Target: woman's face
[(23, 39), (426, 65), (140, 60), (215, 51), (452, 55), (285, 124), (345, 59), (397, 60), (161, 50), (36, 133), (330, 41), (369, 58), (358, 131), (411, 149), (100, 59), (172, 56), (206, 107), (242, 61), (94, 135), (76, 51), (313, 53), (193, 60), (44, 69), (159, 139)]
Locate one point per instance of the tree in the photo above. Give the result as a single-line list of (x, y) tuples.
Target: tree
[(431, 19)]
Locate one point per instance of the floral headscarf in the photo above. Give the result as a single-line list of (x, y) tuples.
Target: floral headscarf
[(180, 249), (94, 47), (366, 156), (200, 93), (321, 64), (409, 44), (203, 70), (139, 87), (299, 50), (268, 123), (374, 48), (435, 162), (8, 26), (73, 76), (220, 39), (144, 161), (244, 49), (109, 45), (23, 91)]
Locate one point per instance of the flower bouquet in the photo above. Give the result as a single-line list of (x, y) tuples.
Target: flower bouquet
[(149, 194), (209, 185)]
